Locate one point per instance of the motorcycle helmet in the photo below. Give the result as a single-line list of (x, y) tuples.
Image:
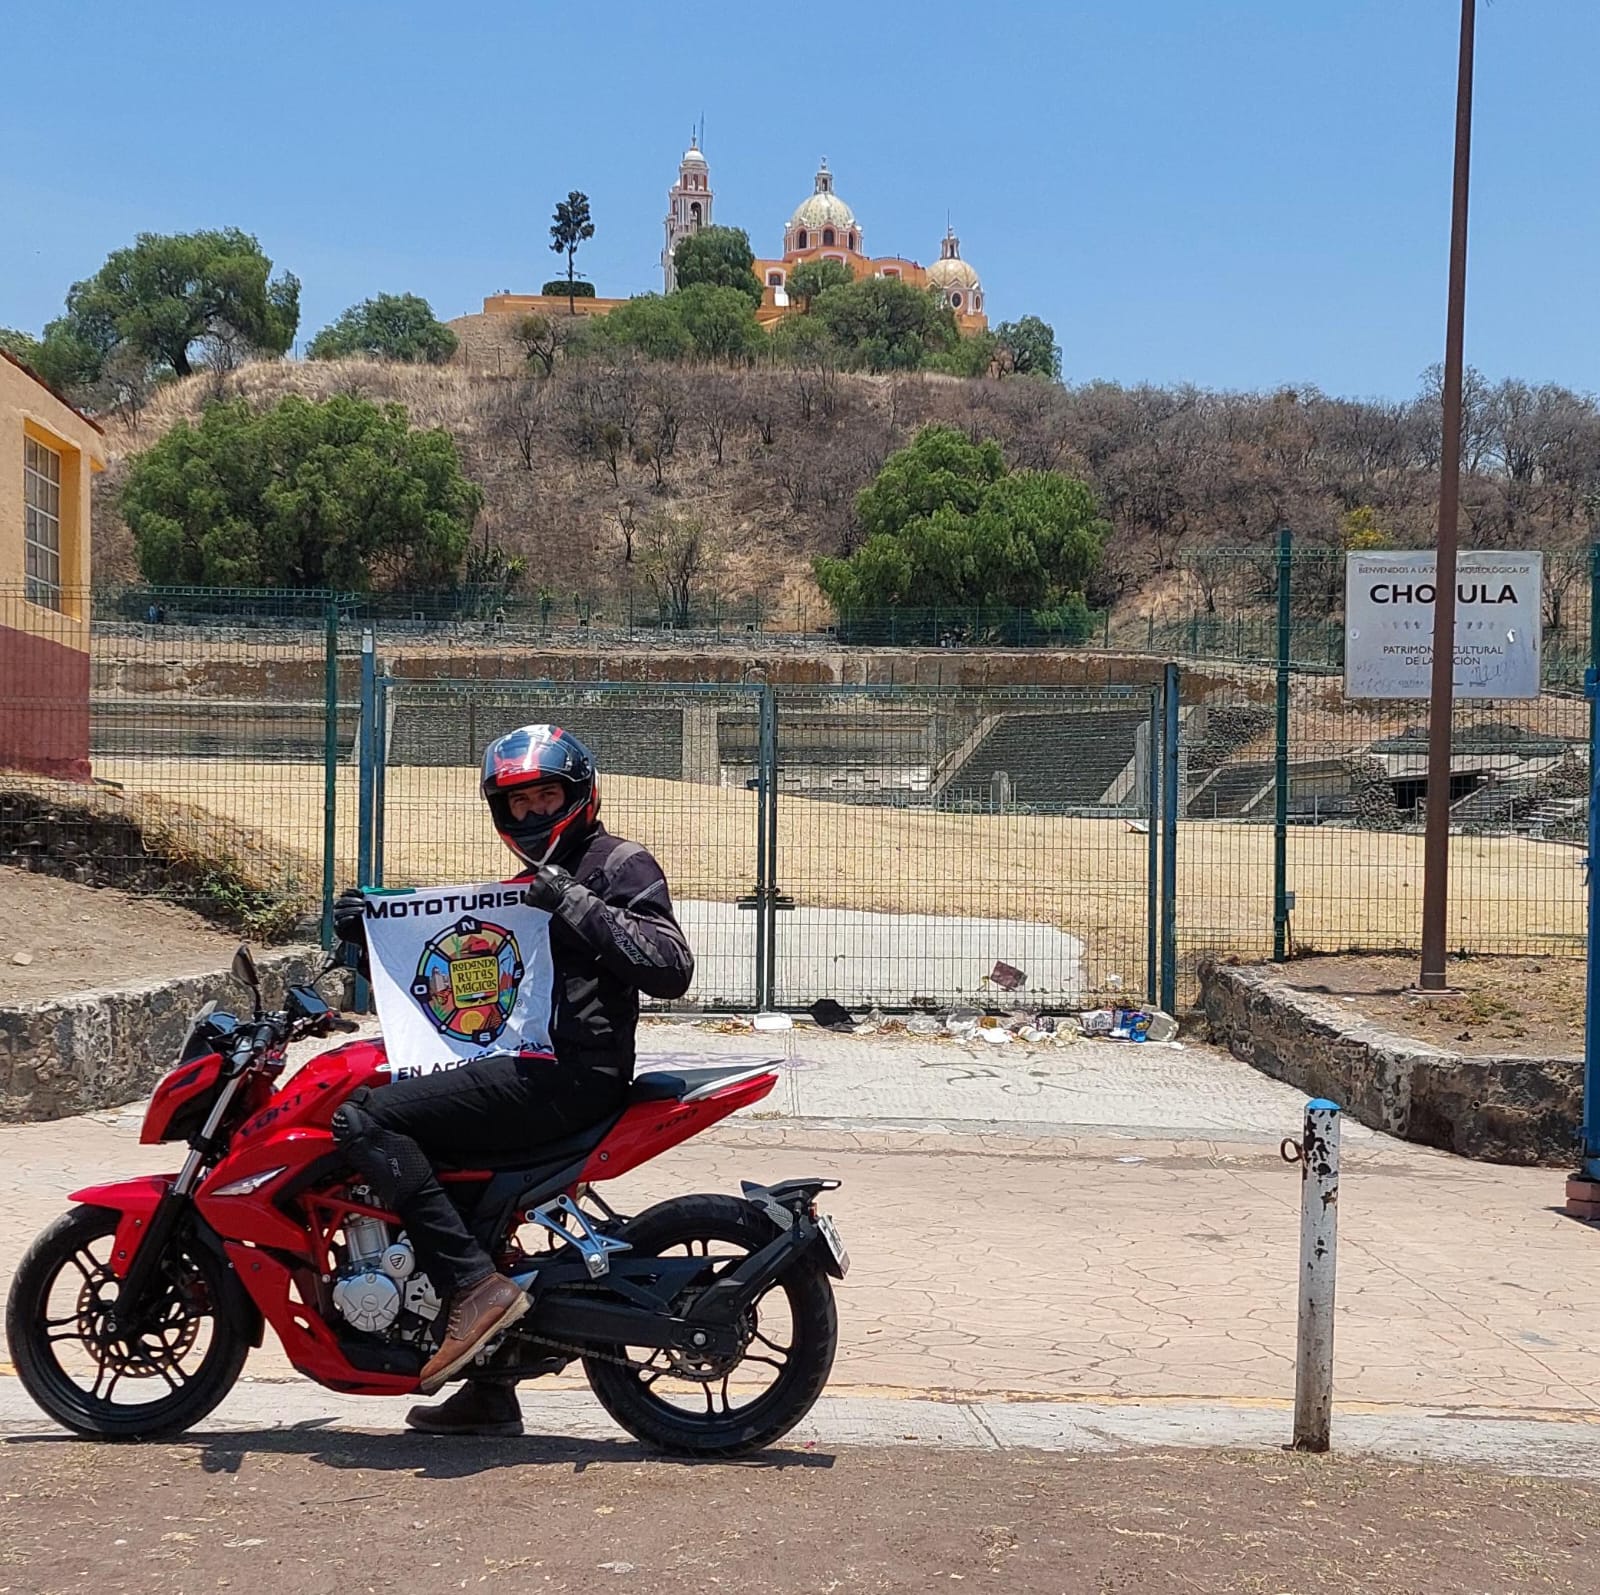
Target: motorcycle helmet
[(526, 757)]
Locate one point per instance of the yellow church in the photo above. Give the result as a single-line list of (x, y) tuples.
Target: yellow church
[(822, 227)]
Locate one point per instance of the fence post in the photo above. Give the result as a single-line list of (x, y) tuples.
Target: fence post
[(769, 703), (1169, 841), (1152, 772), (330, 764), (1591, 1026), (368, 741), (1280, 812), (380, 770), (763, 778), (1318, 1157)]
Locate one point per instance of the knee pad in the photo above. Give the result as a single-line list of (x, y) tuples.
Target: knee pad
[(394, 1165)]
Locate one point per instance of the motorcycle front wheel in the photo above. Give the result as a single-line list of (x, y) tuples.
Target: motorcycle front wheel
[(102, 1383), (722, 1409)]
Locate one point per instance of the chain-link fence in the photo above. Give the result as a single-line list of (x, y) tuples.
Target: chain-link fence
[(890, 844)]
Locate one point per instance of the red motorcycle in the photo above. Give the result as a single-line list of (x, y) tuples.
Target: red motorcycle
[(705, 1325)]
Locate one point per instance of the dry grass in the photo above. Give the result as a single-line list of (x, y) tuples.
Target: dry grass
[(149, 836), (1086, 876)]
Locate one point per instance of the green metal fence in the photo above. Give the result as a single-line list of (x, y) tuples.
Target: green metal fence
[(873, 843)]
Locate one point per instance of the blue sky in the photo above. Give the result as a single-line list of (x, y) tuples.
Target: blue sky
[(1237, 193)]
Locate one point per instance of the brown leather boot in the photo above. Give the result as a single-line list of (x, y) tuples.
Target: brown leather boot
[(476, 1315)]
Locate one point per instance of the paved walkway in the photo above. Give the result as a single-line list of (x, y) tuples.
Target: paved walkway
[(1096, 1250)]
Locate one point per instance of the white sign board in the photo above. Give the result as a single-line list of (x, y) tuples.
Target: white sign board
[(1388, 625), (459, 972)]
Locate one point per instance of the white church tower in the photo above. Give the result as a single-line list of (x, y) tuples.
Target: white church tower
[(688, 207)]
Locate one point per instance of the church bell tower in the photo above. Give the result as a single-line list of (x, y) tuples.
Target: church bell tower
[(688, 207)]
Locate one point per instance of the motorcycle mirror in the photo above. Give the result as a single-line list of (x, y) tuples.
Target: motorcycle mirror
[(303, 1003), (244, 971)]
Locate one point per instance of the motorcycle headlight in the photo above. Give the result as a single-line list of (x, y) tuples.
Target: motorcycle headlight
[(251, 1182)]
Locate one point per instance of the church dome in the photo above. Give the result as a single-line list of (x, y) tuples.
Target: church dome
[(824, 208), (953, 272), (950, 273), (693, 157)]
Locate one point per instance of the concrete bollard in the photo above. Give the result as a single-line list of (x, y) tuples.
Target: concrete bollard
[(1317, 1153)]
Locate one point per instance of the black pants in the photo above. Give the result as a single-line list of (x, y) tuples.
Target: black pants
[(493, 1107)]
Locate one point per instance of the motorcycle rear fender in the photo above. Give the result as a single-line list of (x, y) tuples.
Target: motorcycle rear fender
[(133, 1201)]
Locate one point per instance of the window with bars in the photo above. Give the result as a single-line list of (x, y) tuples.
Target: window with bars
[(41, 532)]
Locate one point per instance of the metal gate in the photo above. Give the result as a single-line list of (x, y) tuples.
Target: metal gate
[(939, 846), (892, 847), (666, 781)]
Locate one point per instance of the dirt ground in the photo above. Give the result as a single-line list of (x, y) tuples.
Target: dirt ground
[(1087, 876), (71, 938), (306, 1514), (1532, 1006)]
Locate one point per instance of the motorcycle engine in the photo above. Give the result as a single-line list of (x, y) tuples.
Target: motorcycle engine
[(379, 1279)]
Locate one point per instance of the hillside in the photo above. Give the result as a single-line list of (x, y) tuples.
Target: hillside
[(574, 465)]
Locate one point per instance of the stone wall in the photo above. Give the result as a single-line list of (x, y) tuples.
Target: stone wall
[(1500, 1110), (101, 1048)]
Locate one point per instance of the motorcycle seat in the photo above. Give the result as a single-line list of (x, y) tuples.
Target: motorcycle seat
[(657, 1085), (692, 1083)]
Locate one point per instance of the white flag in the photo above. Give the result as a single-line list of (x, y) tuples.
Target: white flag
[(458, 972)]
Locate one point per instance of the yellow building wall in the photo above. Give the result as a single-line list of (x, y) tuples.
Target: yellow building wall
[(29, 409)]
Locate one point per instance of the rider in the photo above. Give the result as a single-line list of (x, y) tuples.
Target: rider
[(612, 936)]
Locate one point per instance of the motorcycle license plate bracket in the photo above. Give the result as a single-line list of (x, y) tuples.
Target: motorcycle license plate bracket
[(830, 1235)]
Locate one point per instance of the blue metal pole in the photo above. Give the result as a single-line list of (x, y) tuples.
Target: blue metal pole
[(1280, 783), (1169, 842)]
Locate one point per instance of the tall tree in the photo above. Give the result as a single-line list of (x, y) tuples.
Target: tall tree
[(572, 227), (390, 327), (947, 524), (719, 257), (721, 322), (340, 494), (886, 325), (169, 292), (1028, 348)]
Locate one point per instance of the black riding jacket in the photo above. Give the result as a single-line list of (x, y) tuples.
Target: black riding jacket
[(612, 936)]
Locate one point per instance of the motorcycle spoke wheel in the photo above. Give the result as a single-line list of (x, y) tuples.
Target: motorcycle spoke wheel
[(733, 1403), (94, 1376)]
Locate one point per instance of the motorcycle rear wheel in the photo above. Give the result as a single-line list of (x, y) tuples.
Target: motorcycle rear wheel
[(58, 1303), (695, 1224)]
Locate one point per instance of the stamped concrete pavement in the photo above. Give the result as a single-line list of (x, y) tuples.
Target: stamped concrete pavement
[(1089, 1222)]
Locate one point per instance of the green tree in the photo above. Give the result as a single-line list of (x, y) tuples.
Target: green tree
[(390, 327), (650, 323), (721, 322), (340, 494), (948, 526), (940, 468), (169, 292), (572, 227), (573, 289), (885, 324), (1028, 348), (974, 355), (814, 277), (717, 257), (20, 345)]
